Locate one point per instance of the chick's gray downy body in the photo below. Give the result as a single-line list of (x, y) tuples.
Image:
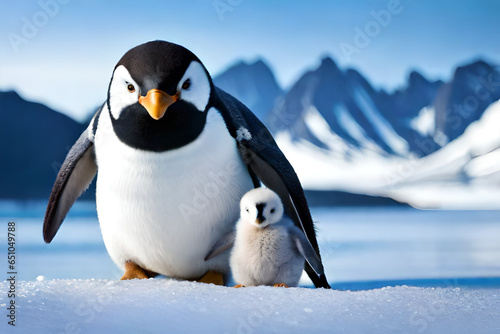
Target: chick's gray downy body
[(266, 256)]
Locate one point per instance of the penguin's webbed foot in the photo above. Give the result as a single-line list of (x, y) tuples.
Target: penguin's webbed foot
[(239, 286), (212, 277), (134, 271), (281, 285)]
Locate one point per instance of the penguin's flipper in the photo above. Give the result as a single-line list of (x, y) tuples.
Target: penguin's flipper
[(306, 250), (269, 165), (76, 174), (223, 244)]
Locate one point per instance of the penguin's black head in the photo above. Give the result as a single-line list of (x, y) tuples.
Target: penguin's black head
[(159, 96)]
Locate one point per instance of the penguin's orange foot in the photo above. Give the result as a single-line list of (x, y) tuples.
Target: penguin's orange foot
[(281, 285), (212, 277), (133, 271), (239, 286)]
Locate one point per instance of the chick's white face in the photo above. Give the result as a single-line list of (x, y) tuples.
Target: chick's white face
[(193, 87), (261, 207)]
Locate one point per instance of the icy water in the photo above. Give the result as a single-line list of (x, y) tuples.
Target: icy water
[(362, 248)]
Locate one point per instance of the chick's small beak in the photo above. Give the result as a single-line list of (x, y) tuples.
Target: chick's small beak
[(157, 102), (259, 220)]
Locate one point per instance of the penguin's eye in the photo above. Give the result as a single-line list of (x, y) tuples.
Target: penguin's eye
[(186, 84), (248, 210), (272, 210), (131, 88)]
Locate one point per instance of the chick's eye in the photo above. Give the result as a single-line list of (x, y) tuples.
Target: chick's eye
[(186, 84), (272, 210), (248, 210), (131, 88)]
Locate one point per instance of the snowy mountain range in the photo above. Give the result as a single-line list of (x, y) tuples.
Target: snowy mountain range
[(341, 133), (338, 131), (419, 118)]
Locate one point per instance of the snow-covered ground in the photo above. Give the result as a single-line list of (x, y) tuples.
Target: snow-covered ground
[(164, 306), (413, 271)]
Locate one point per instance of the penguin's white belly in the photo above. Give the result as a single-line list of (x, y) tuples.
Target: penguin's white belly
[(164, 211)]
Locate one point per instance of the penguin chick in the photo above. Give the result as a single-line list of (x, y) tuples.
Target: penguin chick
[(268, 249)]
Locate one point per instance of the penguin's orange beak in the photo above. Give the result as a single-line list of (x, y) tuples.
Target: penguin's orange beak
[(156, 102)]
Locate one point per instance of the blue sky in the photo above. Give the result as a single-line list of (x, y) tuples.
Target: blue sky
[(67, 59)]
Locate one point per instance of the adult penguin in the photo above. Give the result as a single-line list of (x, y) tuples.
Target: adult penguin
[(174, 156)]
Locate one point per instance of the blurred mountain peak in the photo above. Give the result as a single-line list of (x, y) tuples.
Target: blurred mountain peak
[(328, 62), (253, 83), (328, 68), (415, 78), (260, 63), (477, 64), (11, 93)]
